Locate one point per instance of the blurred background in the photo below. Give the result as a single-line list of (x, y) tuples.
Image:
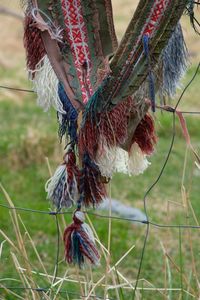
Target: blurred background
[(28, 135)]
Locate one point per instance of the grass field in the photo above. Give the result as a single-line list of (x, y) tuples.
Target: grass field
[(28, 136)]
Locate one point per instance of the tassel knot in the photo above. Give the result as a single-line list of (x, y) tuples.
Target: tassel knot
[(62, 187)]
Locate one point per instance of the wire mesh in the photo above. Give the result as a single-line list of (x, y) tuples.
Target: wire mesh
[(147, 222)]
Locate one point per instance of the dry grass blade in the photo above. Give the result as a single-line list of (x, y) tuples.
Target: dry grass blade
[(23, 278), (48, 166), (34, 249), (1, 247), (60, 286), (103, 248), (188, 206), (20, 241), (110, 270), (179, 271), (9, 240), (127, 282)]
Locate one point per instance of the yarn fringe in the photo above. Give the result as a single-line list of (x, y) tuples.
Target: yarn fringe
[(175, 62), (79, 242), (62, 187), (115, 159), (45, 84), (33, 44), (103, 142), (144, 135), (112, 126), (92, 187)]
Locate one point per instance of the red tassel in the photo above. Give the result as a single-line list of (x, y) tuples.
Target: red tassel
[(112, 127), (33, 44), (79, 242), (145, 136), (91, 187)]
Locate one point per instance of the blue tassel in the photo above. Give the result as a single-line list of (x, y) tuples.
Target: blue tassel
[(175, 61), (151, 76), (69, 120)]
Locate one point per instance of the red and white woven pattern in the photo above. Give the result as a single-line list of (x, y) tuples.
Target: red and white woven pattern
[(78, 40), (153, 21), (156, 14)]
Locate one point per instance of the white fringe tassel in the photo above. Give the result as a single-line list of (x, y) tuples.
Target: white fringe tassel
[(45, 84), (58, 190), (115, 159), (81, 216), (54, 180)]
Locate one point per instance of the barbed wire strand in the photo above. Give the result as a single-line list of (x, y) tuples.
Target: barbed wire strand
[(16, 89), (53, 213), (146, 222), (163, 108)]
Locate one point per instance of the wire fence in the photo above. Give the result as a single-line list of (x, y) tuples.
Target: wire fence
[(147, 222)]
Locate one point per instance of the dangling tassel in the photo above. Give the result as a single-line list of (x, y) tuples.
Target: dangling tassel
[(112, 128), (151, 76), (33, 44), (174, 63), (79, 242), (145, 136), (115, 159), (62, 187), (92, 186)]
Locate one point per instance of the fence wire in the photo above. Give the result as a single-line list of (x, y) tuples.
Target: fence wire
[(147, 221)]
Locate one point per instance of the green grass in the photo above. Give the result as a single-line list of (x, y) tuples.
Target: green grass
[(28, 136)]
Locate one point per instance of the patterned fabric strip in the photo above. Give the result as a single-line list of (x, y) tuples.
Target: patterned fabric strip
[(78, 41), (155, 16), (150, 27)]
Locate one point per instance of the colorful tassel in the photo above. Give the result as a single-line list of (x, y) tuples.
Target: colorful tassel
[(111, 126), (33, 44), (144, 135), (62, 187), (174, 61), (45, 84), (79, 242), (92, 187)]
